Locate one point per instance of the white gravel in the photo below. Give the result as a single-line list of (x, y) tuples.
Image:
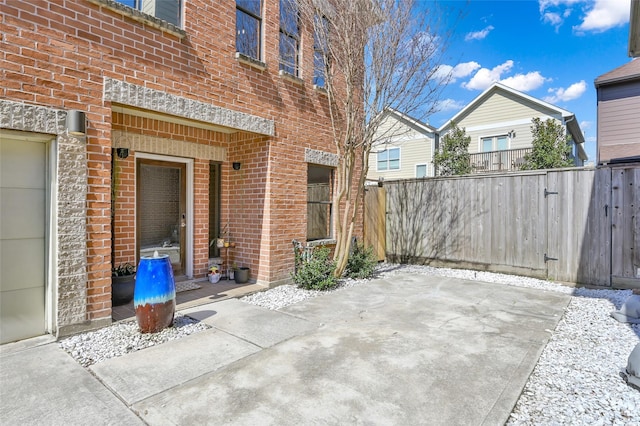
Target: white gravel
[(576, 380), (124, 337)]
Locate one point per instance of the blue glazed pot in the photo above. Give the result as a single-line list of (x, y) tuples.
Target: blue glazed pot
[(154, 297)]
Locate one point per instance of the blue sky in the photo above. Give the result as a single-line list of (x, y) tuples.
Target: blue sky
[(550, 49)]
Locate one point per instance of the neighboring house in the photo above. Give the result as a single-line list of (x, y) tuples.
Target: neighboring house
[(499, 124), (403, 148), (618, 112), (125, 131)]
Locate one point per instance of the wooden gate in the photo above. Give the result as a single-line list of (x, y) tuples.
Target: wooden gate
[(624, 211), (375, 220)]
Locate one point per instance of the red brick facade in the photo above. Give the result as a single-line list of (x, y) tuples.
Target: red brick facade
[(59, 54)]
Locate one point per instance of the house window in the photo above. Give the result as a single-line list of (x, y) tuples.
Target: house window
[(494, 143), (389, 159), (320, 50), (249, 28), (421, 170), (167, 10), (319, 196), (289, 37)]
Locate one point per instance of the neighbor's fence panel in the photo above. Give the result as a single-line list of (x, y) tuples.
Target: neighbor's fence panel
[(491, 222), (375, 220), (520, 223)]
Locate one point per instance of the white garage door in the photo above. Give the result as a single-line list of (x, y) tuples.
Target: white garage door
[(23, 201)]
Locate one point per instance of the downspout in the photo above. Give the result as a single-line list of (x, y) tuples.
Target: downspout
[(574, 150)]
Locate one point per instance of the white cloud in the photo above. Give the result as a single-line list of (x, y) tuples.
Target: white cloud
[(604, 15), (570, 93), (525, 82), (552, 18), (598, 15), (485, 77), (586, 125), (479, 35), (449, 105), (453, 73)]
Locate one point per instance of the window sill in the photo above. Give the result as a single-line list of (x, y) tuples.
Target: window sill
[(141, 17), (323, 242), (292, 78), (247, 60), (320, 89)]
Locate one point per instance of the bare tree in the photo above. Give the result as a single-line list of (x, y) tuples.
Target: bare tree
[(370, 55)]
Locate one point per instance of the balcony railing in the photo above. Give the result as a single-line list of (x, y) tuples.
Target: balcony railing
[(498, 161)]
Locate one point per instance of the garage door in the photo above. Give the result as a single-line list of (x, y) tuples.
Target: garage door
[(23, 201)]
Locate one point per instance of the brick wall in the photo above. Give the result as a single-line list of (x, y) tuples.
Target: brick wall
[(92, 56)]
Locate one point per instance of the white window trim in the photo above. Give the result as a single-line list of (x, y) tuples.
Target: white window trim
[(388, 148), (426, 169), (494, 137)]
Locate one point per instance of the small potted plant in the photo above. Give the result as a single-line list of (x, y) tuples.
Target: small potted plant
[(214, 274), (123, 281)]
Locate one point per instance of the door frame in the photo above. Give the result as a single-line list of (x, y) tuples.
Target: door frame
[(189, 233)]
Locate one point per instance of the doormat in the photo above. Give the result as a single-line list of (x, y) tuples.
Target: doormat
[(186, 286)]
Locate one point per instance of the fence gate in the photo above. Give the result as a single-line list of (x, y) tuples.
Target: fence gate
[(625, 226), (375, 220), (593, 226)]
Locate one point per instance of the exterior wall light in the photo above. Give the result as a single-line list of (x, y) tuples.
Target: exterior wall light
[(76, 123), (122, 152), (236, 166)]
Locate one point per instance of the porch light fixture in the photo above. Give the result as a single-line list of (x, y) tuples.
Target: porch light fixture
[(76, 122), (380, 182), (236, 166), (122, 152)]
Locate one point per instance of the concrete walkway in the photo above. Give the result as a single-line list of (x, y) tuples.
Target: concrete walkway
[(411, 349)]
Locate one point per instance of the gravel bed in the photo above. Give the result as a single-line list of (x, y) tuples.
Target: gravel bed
[(577, 378), (124, 337)]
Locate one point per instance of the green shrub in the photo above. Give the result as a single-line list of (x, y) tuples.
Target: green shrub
[(316, 273), (361, 263)]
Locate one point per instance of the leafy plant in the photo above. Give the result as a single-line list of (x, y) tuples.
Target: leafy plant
[(551, 148), (316, 273), (123, 270), (453, 156), (361, 263)]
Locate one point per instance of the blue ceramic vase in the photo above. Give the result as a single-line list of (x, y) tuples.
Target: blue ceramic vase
[(154, 297)]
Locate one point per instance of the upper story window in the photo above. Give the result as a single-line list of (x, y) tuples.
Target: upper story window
[(320, 50), (249, 28), (167, 10), (494, 143), (289, 37), (389, 159)]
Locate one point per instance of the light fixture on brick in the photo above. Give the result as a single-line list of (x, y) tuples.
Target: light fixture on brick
[(236, 166), (76, 123)]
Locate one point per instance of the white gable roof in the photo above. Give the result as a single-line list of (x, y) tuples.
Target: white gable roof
[(568, 116)]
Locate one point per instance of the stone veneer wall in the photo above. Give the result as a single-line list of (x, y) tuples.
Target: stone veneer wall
[(70, 208)]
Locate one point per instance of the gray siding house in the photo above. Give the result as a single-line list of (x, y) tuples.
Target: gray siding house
[(618, 94)]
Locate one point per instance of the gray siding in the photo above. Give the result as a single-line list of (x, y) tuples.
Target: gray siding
[(618, 125)]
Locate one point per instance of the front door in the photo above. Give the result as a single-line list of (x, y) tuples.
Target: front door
[(161, 211), (23, 235)]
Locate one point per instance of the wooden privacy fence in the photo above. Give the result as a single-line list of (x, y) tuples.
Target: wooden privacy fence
[(572, 225)]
